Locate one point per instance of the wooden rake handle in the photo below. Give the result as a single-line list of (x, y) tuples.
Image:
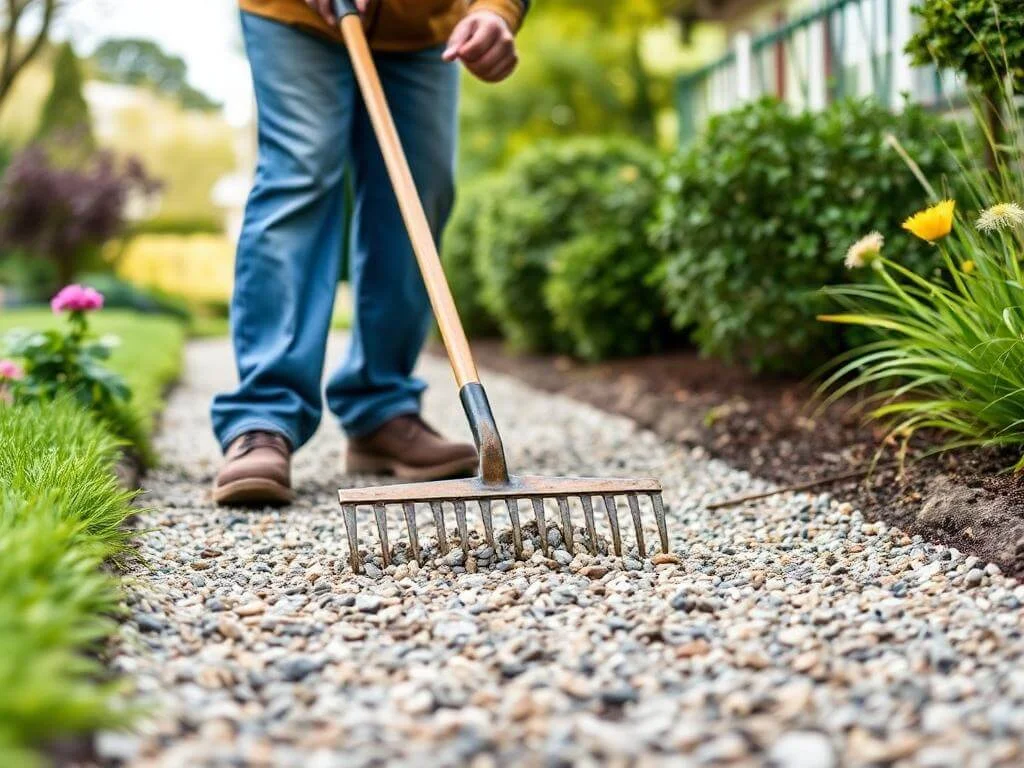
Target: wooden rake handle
[(422, 239)]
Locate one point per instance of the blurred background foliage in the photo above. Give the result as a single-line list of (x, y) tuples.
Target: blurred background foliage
[(586, 68)]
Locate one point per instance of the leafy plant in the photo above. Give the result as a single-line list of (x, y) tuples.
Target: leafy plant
[(459, 255), (59, 214), (600, 291), (550, 195), (949, 353), (753, 216), (947, 350), (69, 362), (983, 39)]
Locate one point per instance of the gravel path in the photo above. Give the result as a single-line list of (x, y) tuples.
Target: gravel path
[(792, 633)]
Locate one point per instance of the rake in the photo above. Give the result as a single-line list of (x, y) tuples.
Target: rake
[(494, 484)]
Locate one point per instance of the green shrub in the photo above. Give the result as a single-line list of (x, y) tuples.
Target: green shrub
[(209, 225), (121, 294), (601, 291), (756, 215), (459, 255), (550, 195), (61, 517), (979, 38)]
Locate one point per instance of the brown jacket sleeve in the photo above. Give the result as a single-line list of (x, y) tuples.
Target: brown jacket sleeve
[(512, 11)]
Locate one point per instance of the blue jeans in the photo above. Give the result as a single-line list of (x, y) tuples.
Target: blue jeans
[(312, 123)]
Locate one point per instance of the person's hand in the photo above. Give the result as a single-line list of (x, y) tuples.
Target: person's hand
[(326, 9), (485, 44)]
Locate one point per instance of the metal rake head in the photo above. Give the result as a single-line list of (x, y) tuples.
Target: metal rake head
[(535, 489)]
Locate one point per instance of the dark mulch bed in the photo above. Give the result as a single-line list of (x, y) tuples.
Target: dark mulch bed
[(964, 499)]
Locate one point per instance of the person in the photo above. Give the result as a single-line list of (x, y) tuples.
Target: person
[(311, 126)]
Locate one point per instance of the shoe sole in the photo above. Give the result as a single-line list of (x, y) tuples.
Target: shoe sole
[(379, 465), (253, 492)]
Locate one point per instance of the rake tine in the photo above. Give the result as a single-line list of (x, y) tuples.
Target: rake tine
[(563, 508), (460, 521), (542, 526), (382, 529), (442, 536), (349, 513), (638, 526), (588, 514), (659, 516), (613, 521), (485, 514), (410, 524), (517, 531)]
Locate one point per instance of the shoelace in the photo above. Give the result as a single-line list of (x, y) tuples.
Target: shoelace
[(253, 440)]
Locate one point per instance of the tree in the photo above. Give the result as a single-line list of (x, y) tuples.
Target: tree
[(983, 40), (66, 113), (144, 63), (16, 56)]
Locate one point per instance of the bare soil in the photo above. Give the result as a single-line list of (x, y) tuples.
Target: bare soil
[(771, 428)]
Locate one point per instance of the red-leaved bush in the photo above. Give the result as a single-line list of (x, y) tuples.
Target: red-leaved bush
[(59, 213)]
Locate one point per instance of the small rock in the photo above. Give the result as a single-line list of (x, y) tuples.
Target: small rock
[(149, 623), (619, 695), (253, 608), (562, 557), (229, 629), (974, 577), (372, 571), (368, 603), (455, 557), (298, 668), (802, 749), (666, 558), (594, 572)]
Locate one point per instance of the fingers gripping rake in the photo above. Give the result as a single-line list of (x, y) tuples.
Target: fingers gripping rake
[(494, 484)]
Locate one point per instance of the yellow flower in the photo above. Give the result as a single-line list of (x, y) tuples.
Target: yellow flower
[(932, 223), (968, 267), (864, 251), (1000, 216)]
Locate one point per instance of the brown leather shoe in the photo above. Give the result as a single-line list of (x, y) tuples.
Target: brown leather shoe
[(408, 448), (256, 471)]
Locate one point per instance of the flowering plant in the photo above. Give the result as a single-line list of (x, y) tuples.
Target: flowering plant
[(70, 360), (949, 354)]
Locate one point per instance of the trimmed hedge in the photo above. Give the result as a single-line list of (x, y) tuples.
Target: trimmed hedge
[(458, 252), (756, 216), (585, 246), (552, 196)]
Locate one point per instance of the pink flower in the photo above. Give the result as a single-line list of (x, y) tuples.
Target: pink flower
[(77, 298), (10, 371)]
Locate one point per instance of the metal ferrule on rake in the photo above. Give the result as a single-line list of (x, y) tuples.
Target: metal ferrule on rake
[(494, 482)]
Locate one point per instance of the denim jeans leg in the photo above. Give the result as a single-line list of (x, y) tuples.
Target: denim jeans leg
[(392, 313), (289, 253)]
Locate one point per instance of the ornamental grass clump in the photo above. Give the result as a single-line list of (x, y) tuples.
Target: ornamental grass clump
[(948, 353)]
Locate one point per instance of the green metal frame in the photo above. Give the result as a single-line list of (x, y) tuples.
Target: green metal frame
[(834, 16)]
